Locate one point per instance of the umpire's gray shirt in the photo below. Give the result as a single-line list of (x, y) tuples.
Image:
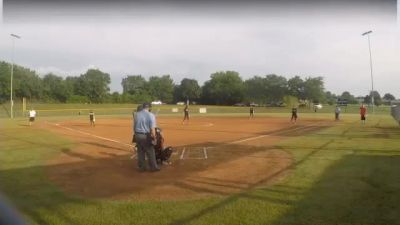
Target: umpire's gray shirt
[(144, 122)]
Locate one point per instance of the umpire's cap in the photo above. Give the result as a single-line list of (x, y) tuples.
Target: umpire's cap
[(146, 105)]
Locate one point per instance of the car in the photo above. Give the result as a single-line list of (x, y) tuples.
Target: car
[(240, 104), (253, 104), (156, 102), (180, 103), (318, 106)]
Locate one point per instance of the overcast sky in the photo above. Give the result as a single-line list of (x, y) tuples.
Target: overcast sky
[(196, 40)]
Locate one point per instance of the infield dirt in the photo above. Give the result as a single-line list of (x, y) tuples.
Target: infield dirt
[(213, 156)]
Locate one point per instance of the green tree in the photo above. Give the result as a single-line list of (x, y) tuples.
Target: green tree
[(94, 84), (276, 88), (349, 97), (330, 98), (26, 83), (4, 81), (255, 90), (388, 97), (314, 89), (161, 88), (189, 89), (54, 88), (367, 99), (71, 84), (296, 87), (377, 97), (224, 88), (134, 84)]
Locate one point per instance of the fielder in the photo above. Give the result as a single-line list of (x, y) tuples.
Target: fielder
[(186, 116), (251, 112), (294, 115), (92, 118), (32, 115), (363, 113)]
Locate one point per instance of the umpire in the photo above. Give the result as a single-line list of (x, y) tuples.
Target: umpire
[(144, 129)]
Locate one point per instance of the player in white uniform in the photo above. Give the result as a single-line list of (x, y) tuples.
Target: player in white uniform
[(32, 115)]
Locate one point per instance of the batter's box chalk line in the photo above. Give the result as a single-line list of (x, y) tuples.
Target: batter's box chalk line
[(186, 151)]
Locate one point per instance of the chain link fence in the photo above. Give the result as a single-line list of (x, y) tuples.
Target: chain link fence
[(395, 111)]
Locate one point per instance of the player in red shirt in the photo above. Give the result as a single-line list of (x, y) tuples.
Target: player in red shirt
[(363, 113)]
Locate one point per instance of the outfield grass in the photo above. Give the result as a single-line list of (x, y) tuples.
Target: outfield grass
[(346, 174), (46, 110)]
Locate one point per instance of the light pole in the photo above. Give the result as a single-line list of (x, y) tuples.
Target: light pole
[(13, 36), (370, 64)]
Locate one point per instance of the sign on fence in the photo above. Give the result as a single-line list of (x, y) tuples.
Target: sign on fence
[(175, 110), (202, 110)]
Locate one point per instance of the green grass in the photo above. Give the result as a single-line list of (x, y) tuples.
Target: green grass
[(345, 174)]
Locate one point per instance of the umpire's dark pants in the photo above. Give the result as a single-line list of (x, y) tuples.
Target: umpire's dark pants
[(145, 148)]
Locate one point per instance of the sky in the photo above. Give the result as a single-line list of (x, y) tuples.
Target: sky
[(193, 40)]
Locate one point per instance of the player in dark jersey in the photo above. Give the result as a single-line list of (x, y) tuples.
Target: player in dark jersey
[(92, 118), (294, 115), (186, 117), (251, 112)]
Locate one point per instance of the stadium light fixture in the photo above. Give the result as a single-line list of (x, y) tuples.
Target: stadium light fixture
[(370, 64), (13, 36)]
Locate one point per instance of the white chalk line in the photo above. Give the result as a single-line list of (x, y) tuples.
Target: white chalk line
[(244, 140), (247, 139), (183, 153), (182, 157), (205, 153), (184, 149), (95, 136), (267, 135), (209, 125), (201, 125)]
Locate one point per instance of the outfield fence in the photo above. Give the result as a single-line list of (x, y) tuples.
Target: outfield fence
[(395, 111)]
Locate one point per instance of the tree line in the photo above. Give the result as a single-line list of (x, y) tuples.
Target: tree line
[(223, 88)]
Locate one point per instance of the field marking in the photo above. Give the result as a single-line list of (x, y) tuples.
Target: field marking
[(95, 136), (184, 149), (267, 135), (183, 153), (182, 157), (248, 139), (205, 153), (209, 125), (192, 125)]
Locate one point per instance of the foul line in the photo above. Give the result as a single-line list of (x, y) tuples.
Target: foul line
[(267, 135), (205, 153), (92, 135), (183, 153), (248, 139)]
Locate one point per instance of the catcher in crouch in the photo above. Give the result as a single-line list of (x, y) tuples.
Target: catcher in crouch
[(163, 155)]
